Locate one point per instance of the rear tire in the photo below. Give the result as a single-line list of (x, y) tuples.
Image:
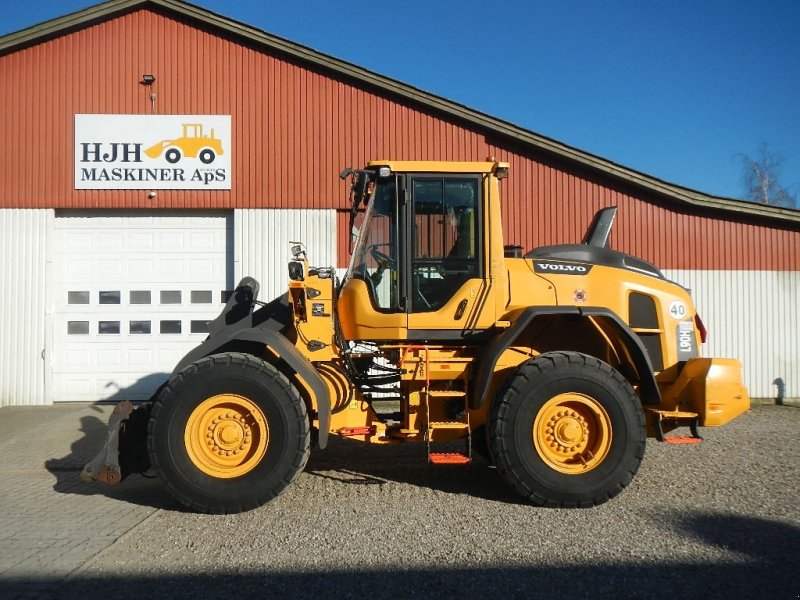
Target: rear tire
[(567, 430), (228, 434)]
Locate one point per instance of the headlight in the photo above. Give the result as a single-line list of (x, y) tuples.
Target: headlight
[(296, 270)]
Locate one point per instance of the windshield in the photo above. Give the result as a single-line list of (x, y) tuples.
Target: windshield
[(375, 256)]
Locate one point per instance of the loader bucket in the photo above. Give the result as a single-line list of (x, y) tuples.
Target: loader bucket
[(105, 466), (155, 150)]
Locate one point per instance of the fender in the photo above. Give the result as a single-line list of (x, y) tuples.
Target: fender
[(236, 324), (285, 350), (648, 389)]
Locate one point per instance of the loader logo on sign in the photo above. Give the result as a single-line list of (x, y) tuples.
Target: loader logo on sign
[(191, 144), (153, 152)]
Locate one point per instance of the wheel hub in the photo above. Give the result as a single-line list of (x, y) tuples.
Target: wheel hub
[(565, 431), (226, 435), (572, 433)]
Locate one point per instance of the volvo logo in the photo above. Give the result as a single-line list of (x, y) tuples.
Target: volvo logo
[(562, 268)]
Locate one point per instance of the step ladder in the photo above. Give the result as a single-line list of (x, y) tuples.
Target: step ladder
[(677, 418), (460, 424)]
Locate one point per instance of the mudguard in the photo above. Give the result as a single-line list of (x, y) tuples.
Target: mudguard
[(648, 389)]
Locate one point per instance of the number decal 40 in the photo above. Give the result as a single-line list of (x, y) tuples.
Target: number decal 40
[(677, 309)]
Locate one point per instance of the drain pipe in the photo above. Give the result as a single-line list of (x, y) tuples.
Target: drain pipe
[(781, 390)]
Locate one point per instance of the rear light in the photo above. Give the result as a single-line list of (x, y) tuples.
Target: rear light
[(701, 328)]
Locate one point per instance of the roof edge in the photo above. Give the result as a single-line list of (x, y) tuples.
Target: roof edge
[(107, 10), (59, 25)]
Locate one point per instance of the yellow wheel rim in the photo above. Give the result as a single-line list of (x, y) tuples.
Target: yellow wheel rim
[(572, 433), (226, 436)]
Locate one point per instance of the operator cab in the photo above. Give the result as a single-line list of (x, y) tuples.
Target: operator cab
[(419, 264)]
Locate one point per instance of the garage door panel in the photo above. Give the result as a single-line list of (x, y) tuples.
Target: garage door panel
[(77, 270), (141, 268), (141, 240), (109, 358), (131, 297), (140, 357), (79, 241), (75, 387), (111, 241), (77, 358), (170, 268), (109, 269), (167, 241)]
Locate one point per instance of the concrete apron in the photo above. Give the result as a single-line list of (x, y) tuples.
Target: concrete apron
[(52, 522)]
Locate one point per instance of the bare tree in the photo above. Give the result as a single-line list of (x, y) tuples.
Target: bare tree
[(761, 178)]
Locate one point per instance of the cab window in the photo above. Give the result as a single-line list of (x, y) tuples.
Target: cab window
[(375, 259), (445, 238)]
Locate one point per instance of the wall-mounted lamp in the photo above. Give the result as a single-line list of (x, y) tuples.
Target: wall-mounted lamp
[(148, 80)]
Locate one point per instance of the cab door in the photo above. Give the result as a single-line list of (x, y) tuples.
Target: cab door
[(446, 288)]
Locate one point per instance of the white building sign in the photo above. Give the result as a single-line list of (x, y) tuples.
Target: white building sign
[(152, 152)]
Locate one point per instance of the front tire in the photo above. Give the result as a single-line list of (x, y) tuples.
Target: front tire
[(567, 430), (228, 434)]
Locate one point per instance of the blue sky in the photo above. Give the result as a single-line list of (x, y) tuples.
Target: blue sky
[(674, 88)]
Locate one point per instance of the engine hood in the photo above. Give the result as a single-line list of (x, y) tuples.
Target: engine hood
[(583, 255)]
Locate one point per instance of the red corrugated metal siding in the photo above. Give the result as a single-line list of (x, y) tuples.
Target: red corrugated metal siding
[(294, 129)]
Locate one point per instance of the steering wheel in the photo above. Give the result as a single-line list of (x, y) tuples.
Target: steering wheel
[(383, 260)]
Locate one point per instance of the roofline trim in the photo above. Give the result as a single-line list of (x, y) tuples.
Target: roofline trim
[(112, 8)]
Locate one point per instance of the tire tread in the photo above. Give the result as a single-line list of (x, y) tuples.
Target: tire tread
[(511, 393), (268, 372)]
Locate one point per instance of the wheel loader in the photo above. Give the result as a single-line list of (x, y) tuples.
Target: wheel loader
[(555, 364)]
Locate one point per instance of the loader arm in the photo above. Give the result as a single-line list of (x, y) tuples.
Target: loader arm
[(238, 324)]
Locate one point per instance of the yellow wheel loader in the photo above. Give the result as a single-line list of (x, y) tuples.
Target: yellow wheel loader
[(555, 364)]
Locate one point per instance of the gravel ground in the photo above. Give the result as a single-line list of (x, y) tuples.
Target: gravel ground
[(719, 518)]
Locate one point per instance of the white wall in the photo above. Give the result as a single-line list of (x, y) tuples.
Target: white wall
[(23, 302), (752, 316), (261, 246)]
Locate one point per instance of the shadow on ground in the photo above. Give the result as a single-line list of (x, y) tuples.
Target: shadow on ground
[(768, 568), (355, 463), (66, 469), (344, 461)]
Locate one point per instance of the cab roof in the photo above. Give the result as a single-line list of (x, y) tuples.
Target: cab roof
[(437, 166)]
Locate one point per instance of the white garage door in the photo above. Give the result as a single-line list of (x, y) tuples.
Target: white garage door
[(132, 294)]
